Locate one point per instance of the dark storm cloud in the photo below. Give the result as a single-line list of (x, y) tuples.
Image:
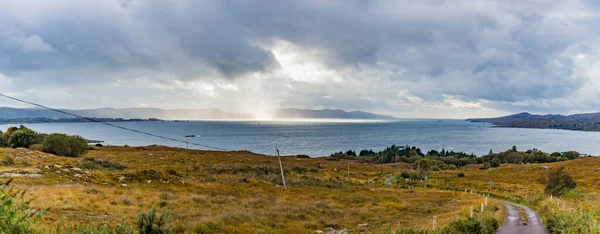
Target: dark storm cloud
[(503, 51)]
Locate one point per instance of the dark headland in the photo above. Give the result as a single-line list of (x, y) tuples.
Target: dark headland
[(576, 122)]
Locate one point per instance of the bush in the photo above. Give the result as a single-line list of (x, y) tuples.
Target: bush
[(104, 164), (558, 182), (22, 138), (484, 166), (64, 145), (495, 162), (6, 135), (15, 215), (2, 142), (149, 223), (460, 174)]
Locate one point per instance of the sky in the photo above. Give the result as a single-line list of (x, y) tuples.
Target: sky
[(413, 59)]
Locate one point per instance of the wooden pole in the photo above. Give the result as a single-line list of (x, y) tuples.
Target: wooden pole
[(281, 168), (348, 171)]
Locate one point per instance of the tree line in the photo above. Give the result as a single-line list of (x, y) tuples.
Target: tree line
[(446, 159), (56, 143)]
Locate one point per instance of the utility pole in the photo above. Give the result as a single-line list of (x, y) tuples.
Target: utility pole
[(281, 168)]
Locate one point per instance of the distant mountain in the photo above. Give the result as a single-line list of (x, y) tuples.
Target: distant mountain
[(290, 113), (182, 114), (577, 122)]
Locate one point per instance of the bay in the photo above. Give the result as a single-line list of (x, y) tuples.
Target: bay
[(316, 138)]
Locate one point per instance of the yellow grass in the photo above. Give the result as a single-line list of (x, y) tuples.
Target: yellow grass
[(228, 192)]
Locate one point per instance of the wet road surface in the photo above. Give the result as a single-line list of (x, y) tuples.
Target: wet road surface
[(513, 225)]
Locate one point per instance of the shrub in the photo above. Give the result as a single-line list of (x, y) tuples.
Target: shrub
[(484, 166), (469, 225), (22, 138), (64, 145), (495, 162), (171, 171), (558, 182), (150, 223), (2, 142), (105, 164), (15, 214), (460, 174), (6, 135)]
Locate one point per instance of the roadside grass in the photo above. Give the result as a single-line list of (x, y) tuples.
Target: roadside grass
[(522, 215), (575, 212)]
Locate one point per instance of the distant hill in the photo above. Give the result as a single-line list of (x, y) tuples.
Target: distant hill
[(289, 113), (577, 122), (182, 114)]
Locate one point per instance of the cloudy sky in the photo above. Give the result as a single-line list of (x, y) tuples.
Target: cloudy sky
[(408, 58)]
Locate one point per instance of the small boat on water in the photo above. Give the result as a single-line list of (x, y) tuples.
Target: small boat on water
[(190, 135)]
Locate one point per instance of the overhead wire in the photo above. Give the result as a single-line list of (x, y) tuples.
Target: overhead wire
[(112, 125)]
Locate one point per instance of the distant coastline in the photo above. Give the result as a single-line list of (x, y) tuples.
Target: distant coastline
[(71, 120), (589, 122)]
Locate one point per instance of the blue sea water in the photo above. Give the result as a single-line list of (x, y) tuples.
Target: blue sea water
[(324, 138)]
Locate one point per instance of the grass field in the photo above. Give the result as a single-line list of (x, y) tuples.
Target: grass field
[(231, 192)]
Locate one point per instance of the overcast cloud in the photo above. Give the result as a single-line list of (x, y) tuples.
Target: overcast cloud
[(406, 58)]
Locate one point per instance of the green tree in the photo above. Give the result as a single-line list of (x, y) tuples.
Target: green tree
[(514, 148), (22, 138), (64, 145)]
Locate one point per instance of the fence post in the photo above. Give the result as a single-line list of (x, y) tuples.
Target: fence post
[(471, 212), (434, 217), (281, 168), (481, 207)]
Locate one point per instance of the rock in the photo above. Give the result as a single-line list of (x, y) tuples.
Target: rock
[(148, 181), (150, 154), (362, 224), (545, 168), (335, 169), (320, 166), (78, 175), (76, 169), (124, 185), (58, 166), (122, 178)]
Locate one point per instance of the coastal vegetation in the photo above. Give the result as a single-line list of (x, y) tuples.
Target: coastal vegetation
[(449, 159), (58, 144), (398, 190)]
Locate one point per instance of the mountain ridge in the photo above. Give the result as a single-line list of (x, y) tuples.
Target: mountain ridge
[(576, 122), (184, 114)]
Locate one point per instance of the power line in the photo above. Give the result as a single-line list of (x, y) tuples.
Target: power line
[(112, 125)]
